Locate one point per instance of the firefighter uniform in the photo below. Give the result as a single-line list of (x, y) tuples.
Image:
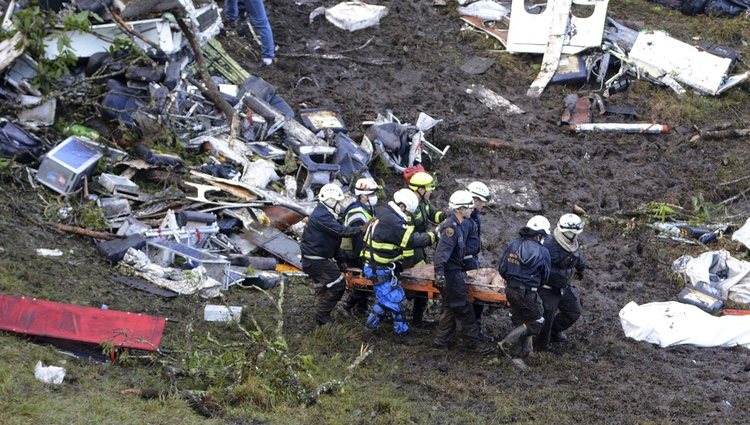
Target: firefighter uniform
[(356, 214), (424, 214), (385, 242)]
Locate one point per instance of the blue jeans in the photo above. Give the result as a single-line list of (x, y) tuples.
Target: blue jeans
[(259, 21)]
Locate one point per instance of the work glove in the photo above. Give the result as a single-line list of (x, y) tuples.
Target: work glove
[(578, 275), (440, 282)]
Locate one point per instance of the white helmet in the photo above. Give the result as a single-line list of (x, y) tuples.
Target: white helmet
[(479, 190), (539, 223), (408, 198), (461, 199), (570, 225), (365, 186), (330, 192)]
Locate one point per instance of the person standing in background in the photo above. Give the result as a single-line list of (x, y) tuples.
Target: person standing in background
[(258, 18)]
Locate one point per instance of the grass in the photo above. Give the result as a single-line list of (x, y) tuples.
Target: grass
[(398, 383), (91, 393)]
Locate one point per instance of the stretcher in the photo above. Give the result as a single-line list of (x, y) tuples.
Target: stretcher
[(418, 282)]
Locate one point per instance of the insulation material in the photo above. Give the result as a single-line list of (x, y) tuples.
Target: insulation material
[(352, 15), (487, 10), (673, 323)]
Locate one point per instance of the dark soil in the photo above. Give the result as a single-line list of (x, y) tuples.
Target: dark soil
[(599, 376)]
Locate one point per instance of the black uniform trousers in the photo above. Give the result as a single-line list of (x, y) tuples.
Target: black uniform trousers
[(329, 286), (526, 308), (456, 311), (561, 310)]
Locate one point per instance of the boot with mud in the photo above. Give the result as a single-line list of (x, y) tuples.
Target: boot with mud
[(558, 337), (511, 340), (479, 348), (527, 346)]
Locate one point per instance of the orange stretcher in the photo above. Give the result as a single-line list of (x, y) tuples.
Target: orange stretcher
[(425, 288)]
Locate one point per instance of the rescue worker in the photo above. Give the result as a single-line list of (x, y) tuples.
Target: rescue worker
[(561, 305), (357, 214), (320, 241), (525, 266), (386, 240), (472, 229), (449, 277), (422, 184)]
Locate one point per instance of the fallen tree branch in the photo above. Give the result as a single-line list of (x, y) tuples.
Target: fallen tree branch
[(297, 134), (733, 181), (331, 386), (209, 89), (487, 142), (86, 232), (721, 134), (337, 56), (126, 27), (360, 47), (735, 197)]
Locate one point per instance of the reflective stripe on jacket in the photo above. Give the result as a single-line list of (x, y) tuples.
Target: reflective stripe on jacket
[(355, 215), (390, 235)]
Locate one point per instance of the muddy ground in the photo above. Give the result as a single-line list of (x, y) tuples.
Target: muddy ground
[(599, 376)]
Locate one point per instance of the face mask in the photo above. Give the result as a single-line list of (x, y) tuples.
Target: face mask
[(372, 199), (337, 208), (569, 235)]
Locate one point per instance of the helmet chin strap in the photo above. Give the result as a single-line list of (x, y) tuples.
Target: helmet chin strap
[(330, 208)]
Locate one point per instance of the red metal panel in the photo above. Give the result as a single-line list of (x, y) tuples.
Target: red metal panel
[(31, 316)]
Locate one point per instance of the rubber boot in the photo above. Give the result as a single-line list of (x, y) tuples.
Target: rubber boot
[(558, 337), (511, 339), (527, 347), (417, 313)]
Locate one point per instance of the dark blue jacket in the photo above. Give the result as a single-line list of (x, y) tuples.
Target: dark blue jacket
[(449, 260), (451, 247), (472, 228), (525, 262), (564, 263), (323, 233)]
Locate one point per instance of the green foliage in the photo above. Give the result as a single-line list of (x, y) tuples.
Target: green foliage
[(36, 24), (90, 216), (80, 21), (705, 210), (661, 211)]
